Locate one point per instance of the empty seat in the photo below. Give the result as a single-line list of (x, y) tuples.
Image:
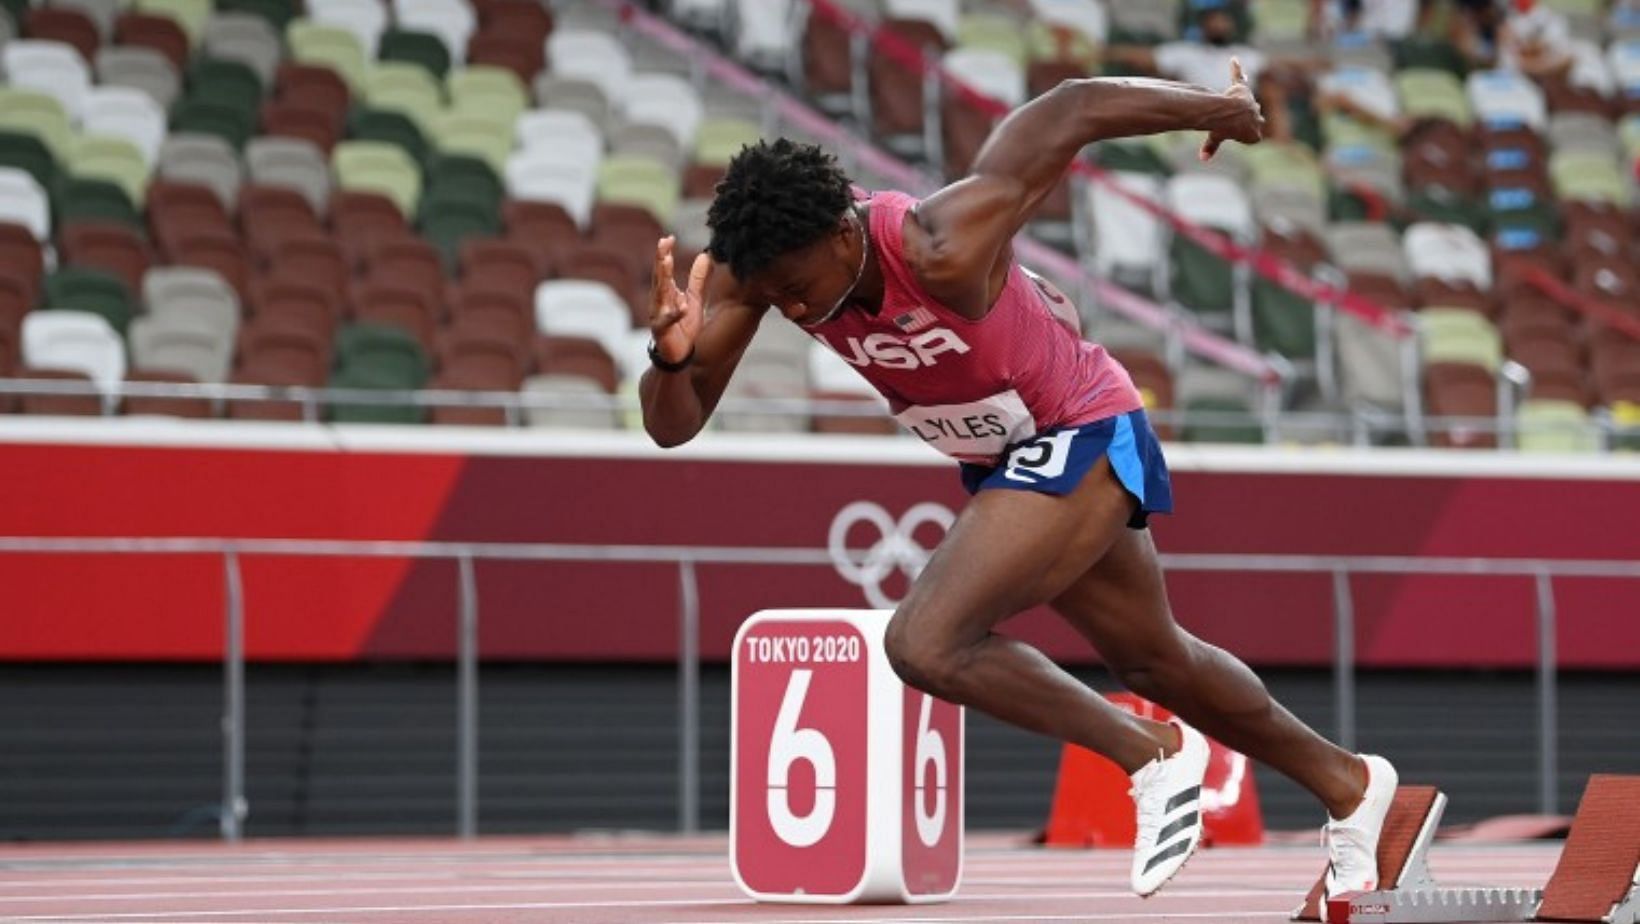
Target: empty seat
[(1555, 426), (74, 341), (313, 257), (284, 302), (108, 246), (1218, 407), (31, 112), (95, 200), (359, 218), (301, 121), (593, 56), (90, 290), (333, 47), (500, 264), (567, 402), (641, 182), (410, 260), (1127, 238), (156, 33), (1201, 280), (375, 357), (68, 26), (397, 86), (214, 250), (290, 163), (165, 405), (48, 67), (22, 257), (182, 344), (192, 294), (392, 303), (1508, 98), (112, 159), (142, 69), (423, 49), (206, 160), (128, 113), (61, 404), (561, 133), (23, 202), (374, 166), (523, 55), (177, 207), (667, 101), (541, 176), (453, 21), (365, 20), (583, 308), (245, 38)]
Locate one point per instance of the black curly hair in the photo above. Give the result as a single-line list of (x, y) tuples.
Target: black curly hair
[(777, 196)]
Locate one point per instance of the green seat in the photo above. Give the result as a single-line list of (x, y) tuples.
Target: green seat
[(1439, 204), (79, 199), (376, 356), (720, 139), (490, 91), (1342, 131), (1202, 281), (278, 13), (205, 117), (449, 219), (629, 180), (29, 153), (460, 174), (1291, 165), (330, 46), (27, 112), (229, 83), (1417, 53), (1280, 20), (475, 134), (399, 86), (1231, 421), (993, 32), (422, 49), (95, 291), (1455, 335), (1433, 94), (394, 128), (1584, 9), (103, 157), (1283, 320), (1554, 426), (191, 15), (1587, 176), (377, 166)]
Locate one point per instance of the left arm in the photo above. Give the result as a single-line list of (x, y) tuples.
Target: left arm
[(959, 241)]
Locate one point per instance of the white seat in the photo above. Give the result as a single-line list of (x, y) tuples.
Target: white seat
[(665, 100), (366, 19), (568, 388), (246, 38), (596, 57), (1370, 89), (1214, 200), (139, 68), (763, 36), (1589, 69), (583, 308), (53, 68), (1446, 251), (23, 201), (1127, 238), (1624, 60), (542, 176), (181, 343), (941, 14), (560, 128), (125, 112), (1084, 16), (74, 341), (203, 159), (831, 373), (1366, 247), (192, 293), (1506, 97), (989, 72), (453, 21), (294, 163)]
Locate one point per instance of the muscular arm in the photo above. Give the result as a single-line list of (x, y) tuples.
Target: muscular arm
[(959, 241), (711, 318)]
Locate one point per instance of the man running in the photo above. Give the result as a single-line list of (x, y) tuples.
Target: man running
[(976, 356)]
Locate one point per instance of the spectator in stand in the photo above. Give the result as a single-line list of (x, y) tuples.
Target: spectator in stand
[(1206, 63), (1535, 40)]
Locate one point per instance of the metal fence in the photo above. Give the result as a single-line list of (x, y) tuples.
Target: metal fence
[(688, 559)]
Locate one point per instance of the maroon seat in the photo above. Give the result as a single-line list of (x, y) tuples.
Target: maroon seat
[(312, 86), (523, 19), (505, 311), (270, 373), (896, 89), (580, 356), (22, 259), (313, 257), (296, 302), (493, 263), (153, 405), (521, 54), (161, 33), (108, 245), (58, 405), (175, 208), (827, 59), (481, 354), (543, 227), (303, 120), (397, 303), (269, 215), (66, 25), (215, 250), (1460, 390)]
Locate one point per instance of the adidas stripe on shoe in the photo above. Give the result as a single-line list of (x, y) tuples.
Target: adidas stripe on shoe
[(1167, 793)]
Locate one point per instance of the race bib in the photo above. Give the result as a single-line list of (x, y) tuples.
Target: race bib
[(977, 431)]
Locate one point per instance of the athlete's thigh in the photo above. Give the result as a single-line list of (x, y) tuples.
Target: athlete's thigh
[(1010, 550), (1120, 603)]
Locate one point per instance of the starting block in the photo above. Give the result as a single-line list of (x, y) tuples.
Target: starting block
[(1597, 879), (846, 786)]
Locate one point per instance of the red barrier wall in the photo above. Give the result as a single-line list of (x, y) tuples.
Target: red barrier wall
[(277, 482)]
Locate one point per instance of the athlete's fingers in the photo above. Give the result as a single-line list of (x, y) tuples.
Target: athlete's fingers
[(1210, 147), (1237, 75), (698, 274), (661, 283)]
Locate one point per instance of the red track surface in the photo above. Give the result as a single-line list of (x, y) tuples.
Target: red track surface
[(639, 879)]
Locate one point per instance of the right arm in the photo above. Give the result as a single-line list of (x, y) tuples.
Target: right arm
[(708, 319)]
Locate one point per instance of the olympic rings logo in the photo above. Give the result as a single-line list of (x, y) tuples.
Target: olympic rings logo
[(895, 549)]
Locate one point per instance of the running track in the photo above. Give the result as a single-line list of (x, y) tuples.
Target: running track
[(639, 879)]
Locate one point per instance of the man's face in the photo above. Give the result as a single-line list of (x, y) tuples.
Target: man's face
[(808, 284), (1218, 27)]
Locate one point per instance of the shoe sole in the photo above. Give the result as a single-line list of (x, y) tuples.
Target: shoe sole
[(1196, 848)]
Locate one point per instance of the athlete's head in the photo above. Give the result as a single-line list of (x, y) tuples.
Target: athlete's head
[(784, 222)]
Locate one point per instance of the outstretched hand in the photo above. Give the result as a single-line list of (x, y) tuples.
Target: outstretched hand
[(675, 314), (1245, 123)]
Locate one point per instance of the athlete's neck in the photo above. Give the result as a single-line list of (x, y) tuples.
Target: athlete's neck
[(868, 294)]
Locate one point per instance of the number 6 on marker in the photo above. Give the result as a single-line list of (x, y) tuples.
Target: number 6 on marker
[(789, 744), (930, 749)]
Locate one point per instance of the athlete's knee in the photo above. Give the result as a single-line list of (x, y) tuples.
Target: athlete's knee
[(922, 659)]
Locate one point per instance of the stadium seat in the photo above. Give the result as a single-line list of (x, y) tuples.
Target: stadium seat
[(453, 21), (112, 159), (161, 34), (365, 20), (1555, 426), (591, 56), (639, 181), (112, 247), (290, 163), (205, 160), (477, 306), (1450, 252), (158, 406), (1223, 404), (74, 341), (397, 86), (1588, 176), (667, 101), (90, 290), (176, 343), (1505, 97), (360, 219), (375, 357), (565, 390), (397, 304), (376, 166), (523, 55), (244, 38), (422, 49), (579, 308), (1433, 94), (68, 26), (23, 201), (329, 46), (48, 67), (140, 69), (125, 112), (1127, 238), (60, 405), (493, 92), (214, 250), (38, 115), (95, 200), (474, 134), (1203, 281), (227, 83), (192, 294)]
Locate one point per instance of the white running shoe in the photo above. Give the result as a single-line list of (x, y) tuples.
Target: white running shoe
[(1168, 793), (1352, 843)]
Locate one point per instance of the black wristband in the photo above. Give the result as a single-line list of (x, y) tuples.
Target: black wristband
[(666, 365)]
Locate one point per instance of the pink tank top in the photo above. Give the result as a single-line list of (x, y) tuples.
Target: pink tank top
[(972, 388)]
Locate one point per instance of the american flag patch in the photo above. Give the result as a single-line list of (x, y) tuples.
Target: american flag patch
[(914, 320)]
